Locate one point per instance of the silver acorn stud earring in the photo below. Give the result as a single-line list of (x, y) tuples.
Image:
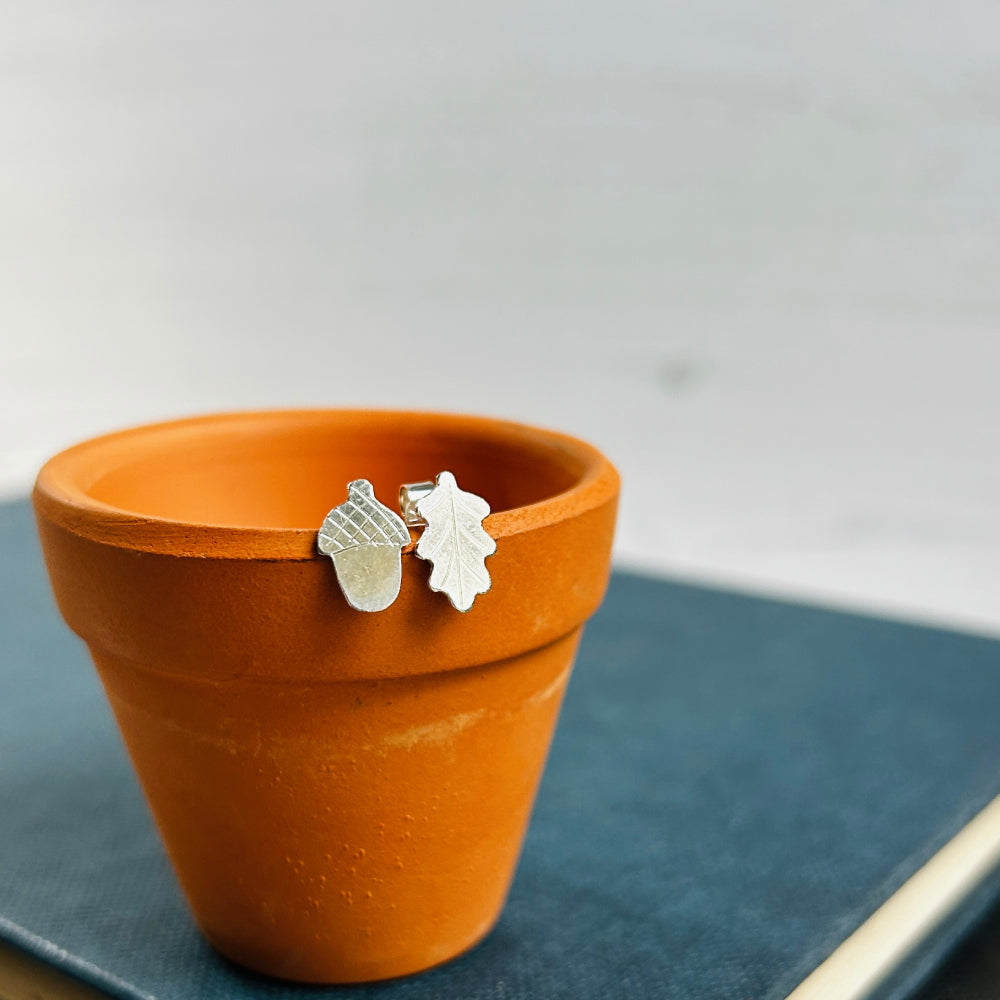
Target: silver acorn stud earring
[(365, 539), (454, 539)]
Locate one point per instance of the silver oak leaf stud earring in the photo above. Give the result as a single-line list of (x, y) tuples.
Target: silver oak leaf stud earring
[(365, 540), (454, 540)]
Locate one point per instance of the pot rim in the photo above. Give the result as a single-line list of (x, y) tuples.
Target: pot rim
[(61, 489)]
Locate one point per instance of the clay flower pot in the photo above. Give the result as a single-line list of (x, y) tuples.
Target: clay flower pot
[(343, 795)]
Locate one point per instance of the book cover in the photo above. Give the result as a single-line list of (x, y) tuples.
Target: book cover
[(736, 786)]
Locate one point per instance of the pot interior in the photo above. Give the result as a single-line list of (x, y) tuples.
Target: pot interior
[(287, 469)]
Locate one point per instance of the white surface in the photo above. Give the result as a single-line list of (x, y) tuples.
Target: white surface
[(751, 250)]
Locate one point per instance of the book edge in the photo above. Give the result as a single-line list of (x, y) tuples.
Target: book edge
[(866, 959), (52, 955)]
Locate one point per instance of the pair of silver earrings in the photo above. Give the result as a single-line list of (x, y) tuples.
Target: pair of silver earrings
[(365, 540)]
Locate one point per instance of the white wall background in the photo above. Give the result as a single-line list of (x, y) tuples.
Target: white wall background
[(750, 249)]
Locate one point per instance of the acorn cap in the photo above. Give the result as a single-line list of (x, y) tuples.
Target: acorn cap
[(361, 520)]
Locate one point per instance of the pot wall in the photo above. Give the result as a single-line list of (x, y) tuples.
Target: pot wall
[(343, 831)]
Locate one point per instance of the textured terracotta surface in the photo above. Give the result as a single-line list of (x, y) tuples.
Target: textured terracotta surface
[(343, 795)]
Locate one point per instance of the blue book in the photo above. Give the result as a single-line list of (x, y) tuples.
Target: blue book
[(745, 799)]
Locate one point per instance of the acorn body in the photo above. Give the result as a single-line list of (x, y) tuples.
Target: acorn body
[(365, 539)]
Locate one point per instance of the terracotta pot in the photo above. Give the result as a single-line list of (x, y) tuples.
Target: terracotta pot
[(343, 795)]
